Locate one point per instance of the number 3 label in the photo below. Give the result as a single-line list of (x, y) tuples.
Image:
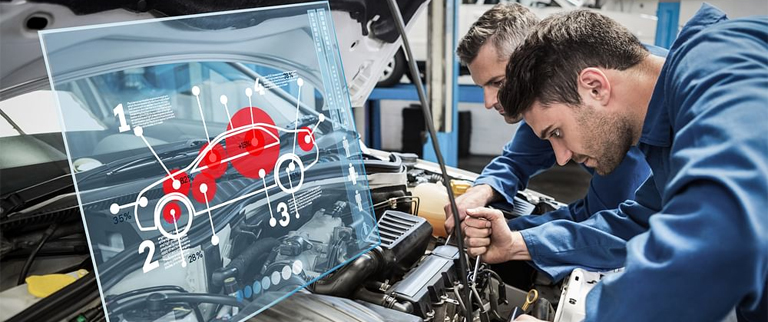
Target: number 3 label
[(282, 208)]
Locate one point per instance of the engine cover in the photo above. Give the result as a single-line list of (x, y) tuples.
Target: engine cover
[(428, 282)]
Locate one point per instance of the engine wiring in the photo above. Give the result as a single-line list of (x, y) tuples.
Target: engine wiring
[(392, 203)]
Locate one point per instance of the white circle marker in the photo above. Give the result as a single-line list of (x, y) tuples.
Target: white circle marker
[(294, 160), (114, 208), (306, 140), (143, 201), (223, 99), (256, 287), (321, 118), (262, 173), (265, 283), (286, 273), (248, 92), (176, 184), (138, 131), (291, 166), (195, 90), (203, 188), (275, 278), (173, 196), (272, 222), (214, 240), (297, 267), (300, 82)]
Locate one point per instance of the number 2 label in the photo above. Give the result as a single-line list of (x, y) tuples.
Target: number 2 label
[(148, 263)]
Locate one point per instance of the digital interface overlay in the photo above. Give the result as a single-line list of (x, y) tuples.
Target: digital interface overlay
[(214, 157)]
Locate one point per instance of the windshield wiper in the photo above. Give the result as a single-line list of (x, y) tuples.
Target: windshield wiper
[(30, 195)]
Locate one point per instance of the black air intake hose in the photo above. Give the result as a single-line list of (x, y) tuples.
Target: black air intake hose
[(383, 300), (238, 266), (344, 282)]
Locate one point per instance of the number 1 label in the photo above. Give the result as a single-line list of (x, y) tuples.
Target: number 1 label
[(120, 113)]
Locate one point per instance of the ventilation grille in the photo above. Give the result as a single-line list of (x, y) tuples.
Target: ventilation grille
[(522, 207), (393, 227)]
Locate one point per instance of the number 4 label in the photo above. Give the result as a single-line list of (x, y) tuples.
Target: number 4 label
[(120, 113)]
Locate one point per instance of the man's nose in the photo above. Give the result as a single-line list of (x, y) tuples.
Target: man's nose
[(489, 97), (562, 154)]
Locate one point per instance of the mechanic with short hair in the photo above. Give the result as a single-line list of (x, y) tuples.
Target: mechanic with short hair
[(485, 50), (698, 227)]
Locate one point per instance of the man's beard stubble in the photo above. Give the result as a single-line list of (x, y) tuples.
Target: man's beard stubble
[(609, 137)]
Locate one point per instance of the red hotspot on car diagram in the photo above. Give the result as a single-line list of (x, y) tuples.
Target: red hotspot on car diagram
[(251, 144)]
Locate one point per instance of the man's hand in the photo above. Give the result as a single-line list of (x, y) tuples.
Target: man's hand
[(486, 233), (477, 196)]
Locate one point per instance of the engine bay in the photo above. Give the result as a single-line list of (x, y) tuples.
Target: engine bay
[(411, 276)]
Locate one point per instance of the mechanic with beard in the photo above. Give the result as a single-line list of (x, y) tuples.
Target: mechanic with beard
[(485, 50), (698, 225)]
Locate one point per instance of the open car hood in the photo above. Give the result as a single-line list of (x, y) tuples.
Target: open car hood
[(365, 30)]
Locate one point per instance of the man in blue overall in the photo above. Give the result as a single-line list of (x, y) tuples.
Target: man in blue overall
[(698, 227), (485, 49)]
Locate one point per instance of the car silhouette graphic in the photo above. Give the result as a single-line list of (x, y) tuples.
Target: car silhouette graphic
[(167, 207)]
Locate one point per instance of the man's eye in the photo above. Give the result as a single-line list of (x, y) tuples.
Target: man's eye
[(498, 83), (556, 133)]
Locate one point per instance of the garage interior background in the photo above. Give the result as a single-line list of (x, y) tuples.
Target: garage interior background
[(488, 131)]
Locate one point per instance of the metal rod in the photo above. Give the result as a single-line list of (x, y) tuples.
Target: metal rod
[(463, 257)]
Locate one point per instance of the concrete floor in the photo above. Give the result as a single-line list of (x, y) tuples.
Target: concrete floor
[(566, 184)]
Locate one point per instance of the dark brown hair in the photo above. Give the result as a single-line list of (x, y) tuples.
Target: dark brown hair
[(546, 66)]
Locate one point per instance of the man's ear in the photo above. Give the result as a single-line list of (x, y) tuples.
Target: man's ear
[(594, 85)]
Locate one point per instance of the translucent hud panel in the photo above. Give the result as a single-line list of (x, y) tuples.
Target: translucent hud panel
[(214, 157)]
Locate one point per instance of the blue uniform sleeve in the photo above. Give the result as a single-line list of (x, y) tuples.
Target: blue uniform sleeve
[(524, 156), (707, 250), (598, 243), (605, 192)]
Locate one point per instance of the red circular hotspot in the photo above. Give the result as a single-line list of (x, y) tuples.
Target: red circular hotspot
[(210, 184), (306, 139), (255, 142), (171, 212), (183, 179), (254, 149), (212, 160)]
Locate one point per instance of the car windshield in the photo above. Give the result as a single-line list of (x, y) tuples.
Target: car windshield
[(161, 99), (30, 132)]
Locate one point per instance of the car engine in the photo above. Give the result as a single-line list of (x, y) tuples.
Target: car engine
[(411, 276)]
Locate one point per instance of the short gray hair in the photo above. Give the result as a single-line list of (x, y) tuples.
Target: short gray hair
[(504, 25)]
